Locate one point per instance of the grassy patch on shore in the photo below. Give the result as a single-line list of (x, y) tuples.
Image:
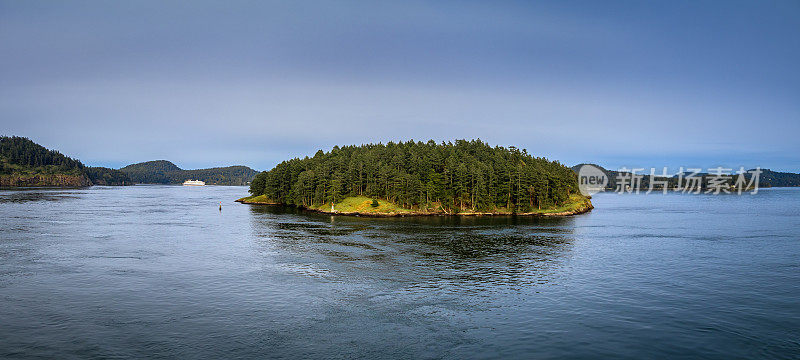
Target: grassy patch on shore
[(363, 205), (260, 199), (576, 203)]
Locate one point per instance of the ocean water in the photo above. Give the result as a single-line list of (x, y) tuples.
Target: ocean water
[(161, 272)]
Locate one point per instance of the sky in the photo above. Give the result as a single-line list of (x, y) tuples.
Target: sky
[(617, 83)]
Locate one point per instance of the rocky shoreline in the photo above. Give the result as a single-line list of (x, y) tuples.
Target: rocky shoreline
[(584, 208), (44, 180)]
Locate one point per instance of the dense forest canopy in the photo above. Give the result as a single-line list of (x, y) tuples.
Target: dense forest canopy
[(107, 176), (422, 175), (165, 172), (779, 179), (20, 153)]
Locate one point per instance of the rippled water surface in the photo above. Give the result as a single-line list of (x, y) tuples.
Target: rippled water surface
[(160, 272)]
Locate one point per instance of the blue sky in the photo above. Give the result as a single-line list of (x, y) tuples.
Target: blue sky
[(623, 83)]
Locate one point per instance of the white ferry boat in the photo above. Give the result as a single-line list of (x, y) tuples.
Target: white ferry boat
[(193, 183)]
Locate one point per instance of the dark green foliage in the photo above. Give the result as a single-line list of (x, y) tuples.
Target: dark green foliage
[(155, 166), (375, 203), (20, 153), (778, 179), (106, 176), (450, 176), (165, 172), (152, 172)]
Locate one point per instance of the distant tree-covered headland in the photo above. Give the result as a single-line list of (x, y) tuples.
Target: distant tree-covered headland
[(421, 177), (18, 153), (26, 163), (165, 172)]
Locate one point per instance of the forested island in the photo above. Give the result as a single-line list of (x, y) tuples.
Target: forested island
[(422, 178)]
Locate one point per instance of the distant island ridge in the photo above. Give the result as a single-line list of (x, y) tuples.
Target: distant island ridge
[(165, 172), (24, 163)]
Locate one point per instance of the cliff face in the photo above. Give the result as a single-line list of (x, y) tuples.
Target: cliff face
[(55, 180)]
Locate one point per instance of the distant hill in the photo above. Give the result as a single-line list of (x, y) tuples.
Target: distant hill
[(165, 172), (156, 166), (153, 172), (26, 163)]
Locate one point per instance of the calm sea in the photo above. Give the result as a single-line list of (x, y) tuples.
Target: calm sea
[(161, 272)]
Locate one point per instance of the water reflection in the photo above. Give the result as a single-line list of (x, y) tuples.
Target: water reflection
[(442, 253)]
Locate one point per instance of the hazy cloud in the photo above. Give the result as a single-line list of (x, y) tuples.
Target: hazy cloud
[(207, 84)]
